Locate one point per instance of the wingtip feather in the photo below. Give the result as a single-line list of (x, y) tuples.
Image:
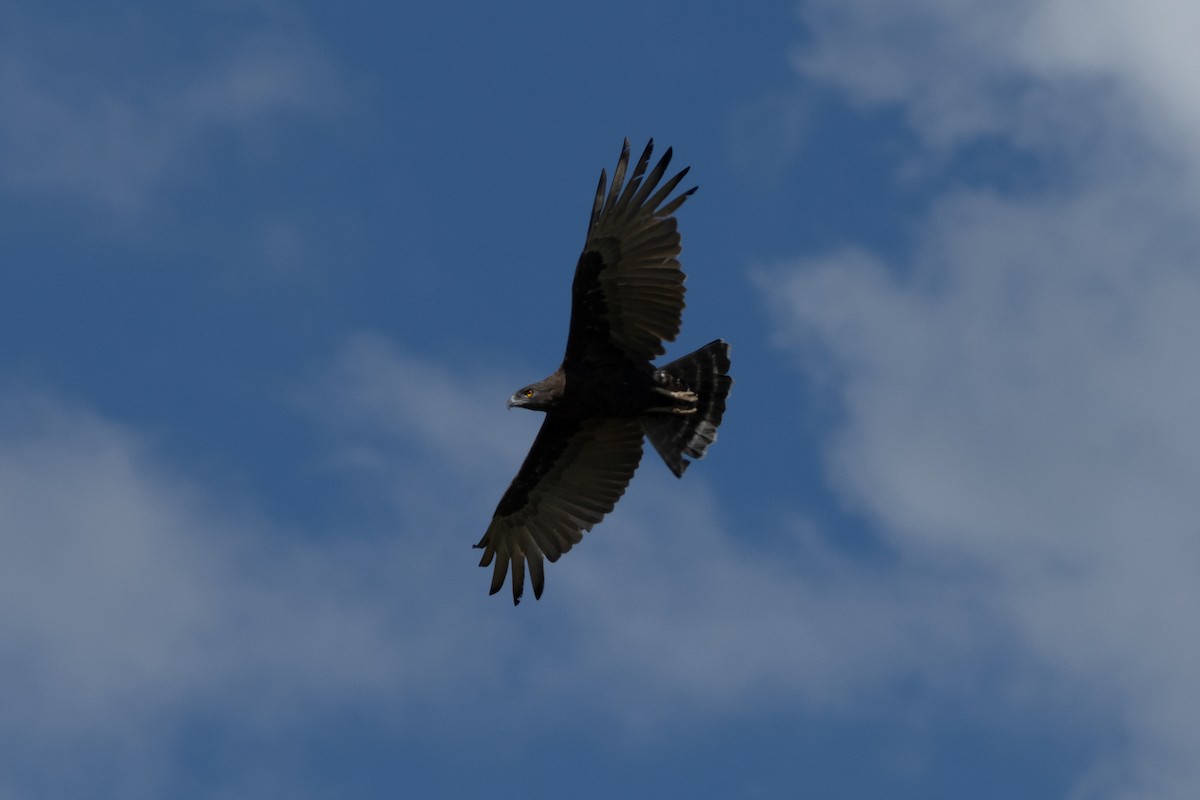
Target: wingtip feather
[(537, 577), (518, 578)]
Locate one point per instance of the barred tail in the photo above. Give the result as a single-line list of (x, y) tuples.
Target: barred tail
[(674, 436)]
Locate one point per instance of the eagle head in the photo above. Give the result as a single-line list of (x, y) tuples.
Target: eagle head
[(538, 396)]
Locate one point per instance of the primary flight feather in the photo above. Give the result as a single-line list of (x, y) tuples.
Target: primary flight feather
[(626, 300)]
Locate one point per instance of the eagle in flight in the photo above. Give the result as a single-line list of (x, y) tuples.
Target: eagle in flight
[(626, 300)]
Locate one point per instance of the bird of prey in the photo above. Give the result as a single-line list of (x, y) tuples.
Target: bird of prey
[(626, 300)]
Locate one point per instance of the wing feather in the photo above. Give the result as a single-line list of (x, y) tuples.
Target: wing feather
[(627, 298), (574, 474)]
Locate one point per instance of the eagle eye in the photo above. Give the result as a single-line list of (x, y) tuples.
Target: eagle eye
[(528, 393)]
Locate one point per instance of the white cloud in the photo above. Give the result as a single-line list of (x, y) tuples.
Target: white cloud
[(133, 603), (1039, 74), (80, 121), (883, 52), (1020, 390), (376, 392), (1146, 49), (133, 597), (130, 604), (1024, 410), (660, 612)]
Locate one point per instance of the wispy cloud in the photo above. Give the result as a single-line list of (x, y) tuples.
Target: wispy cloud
[(111, 121), (660, 611), (131, 604), (1143, 52), (1040, 75), (1019, 388), (376, 392), (140, 602)]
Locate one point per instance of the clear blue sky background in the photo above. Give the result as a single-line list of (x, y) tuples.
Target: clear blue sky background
[(270, 272)]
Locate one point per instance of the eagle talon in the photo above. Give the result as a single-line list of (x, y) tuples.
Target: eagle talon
[(684, 396)]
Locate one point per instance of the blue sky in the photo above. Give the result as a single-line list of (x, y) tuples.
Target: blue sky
[(271, 271)]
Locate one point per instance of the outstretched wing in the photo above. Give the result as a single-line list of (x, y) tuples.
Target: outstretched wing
[(574, 474), (627, 298)]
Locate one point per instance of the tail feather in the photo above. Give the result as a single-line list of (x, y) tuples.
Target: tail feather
[(678, 437)]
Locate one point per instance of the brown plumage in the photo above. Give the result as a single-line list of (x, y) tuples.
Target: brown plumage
[(626, 300)]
